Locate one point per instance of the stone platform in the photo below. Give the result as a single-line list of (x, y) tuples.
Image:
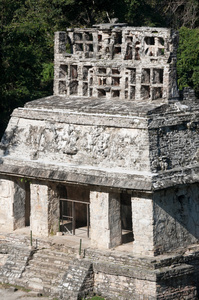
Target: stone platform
[(55, 269)]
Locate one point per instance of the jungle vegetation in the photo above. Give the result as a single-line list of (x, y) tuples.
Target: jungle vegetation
[(27, 30)]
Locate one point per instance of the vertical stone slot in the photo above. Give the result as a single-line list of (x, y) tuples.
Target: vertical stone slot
[(145, 76), (62, 87), (85, 73), (115, 81), (90, 47), (161, 41), (137, 51), (78, 36), (88, 36), (145, 92), (157, 93), (73, 87), (117, 50), (126, 82), (158, 76), (63, 71), (126, 94), (126, 218), (128, 54), (74, 73), (85, 89), (132, 92), (102, 81), (118, 38), (133, 77), (27, 204), (79, 47)]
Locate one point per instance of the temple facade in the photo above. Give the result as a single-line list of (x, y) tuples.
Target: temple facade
[(114, 149)]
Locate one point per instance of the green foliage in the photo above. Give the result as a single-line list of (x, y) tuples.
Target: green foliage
[(188, 59), (47, 72)]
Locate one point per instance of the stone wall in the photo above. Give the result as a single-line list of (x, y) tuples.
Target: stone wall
[(174, 141), (118, 287), (176, 221), (142, 220)]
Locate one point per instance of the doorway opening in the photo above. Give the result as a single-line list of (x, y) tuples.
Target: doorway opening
[(74, 210), (126, 218), (27, 204)]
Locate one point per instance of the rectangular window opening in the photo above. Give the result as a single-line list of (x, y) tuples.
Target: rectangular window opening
[(157, 76), (145, 92), (63, 71), (145, 76)]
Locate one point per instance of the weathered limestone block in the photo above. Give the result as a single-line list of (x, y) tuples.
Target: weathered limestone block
[(120, 287), (44, 218), (143, 229), (128, 63), (176, 218), (105, 219), (12, 204), (177, 140), (100, 146), (6, 204)]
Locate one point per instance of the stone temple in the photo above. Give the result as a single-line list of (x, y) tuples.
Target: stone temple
[(114, 150)]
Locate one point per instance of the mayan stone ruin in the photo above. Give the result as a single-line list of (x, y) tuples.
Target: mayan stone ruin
[(115, 150)]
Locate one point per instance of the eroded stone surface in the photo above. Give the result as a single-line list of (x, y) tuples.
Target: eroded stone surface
[(113, 150)]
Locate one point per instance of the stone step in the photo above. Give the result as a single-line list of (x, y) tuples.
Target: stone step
[(44, 273), (46, 265), (48, 260), (39, 284), (53, 254)]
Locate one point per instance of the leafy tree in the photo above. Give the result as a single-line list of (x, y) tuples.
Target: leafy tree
[(188, 59)]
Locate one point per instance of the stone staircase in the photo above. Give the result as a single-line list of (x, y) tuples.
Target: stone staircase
[(45, 271), (16, 259), (78, 282)]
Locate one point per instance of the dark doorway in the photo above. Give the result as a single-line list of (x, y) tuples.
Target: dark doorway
[(74, 209), (126, 218), (27, 204)]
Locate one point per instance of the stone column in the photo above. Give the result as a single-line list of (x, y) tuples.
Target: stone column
[(142, 220), (44, 219), (12, 204), (105, 219), (6, 204)]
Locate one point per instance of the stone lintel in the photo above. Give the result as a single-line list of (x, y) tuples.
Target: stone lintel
[(82, 176)]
